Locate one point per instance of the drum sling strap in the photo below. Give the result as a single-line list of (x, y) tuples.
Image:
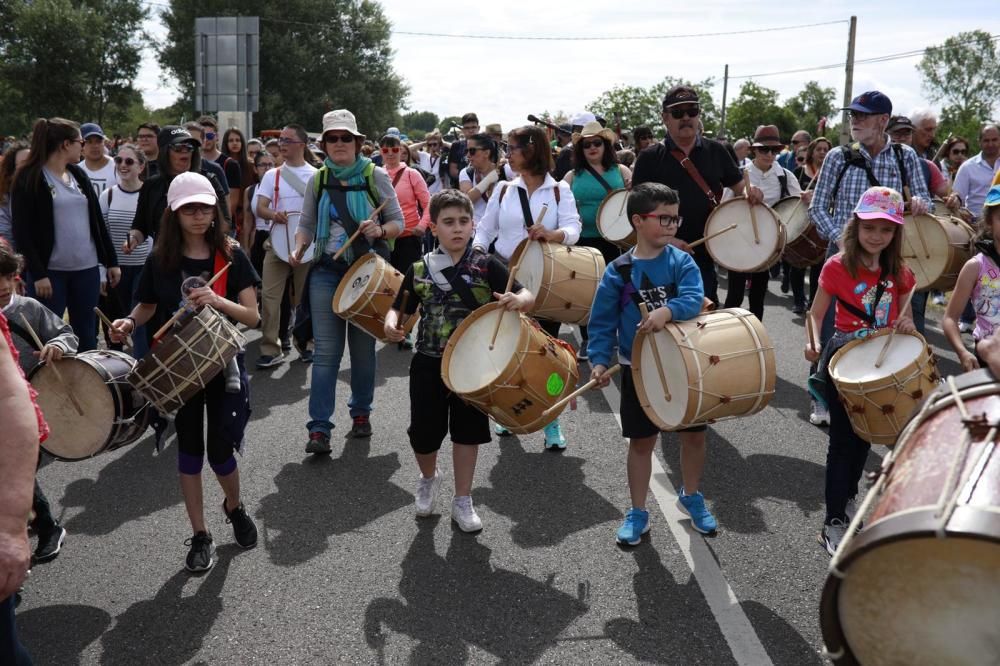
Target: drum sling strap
[(783, 180), (599, 177), (869, 318), (692, 170), (853, 157), (19, 331), (461, 288), (629, 293), (524, 201)]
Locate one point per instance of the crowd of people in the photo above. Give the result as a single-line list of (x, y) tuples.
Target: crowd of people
[(89, 222)]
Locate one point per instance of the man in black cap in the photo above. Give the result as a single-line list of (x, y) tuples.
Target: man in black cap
[(698, 168)]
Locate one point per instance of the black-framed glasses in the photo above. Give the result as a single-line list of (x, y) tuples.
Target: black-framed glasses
[(774, 150), (595, 143), (472, 150), (266, 165), (343, 138), (860, 115), (665, 220), (959, 151), (196, 209), (128, 161), (182, 148), (690, 112)]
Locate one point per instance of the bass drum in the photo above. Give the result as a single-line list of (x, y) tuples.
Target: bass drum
[(612, 220), (936, 248), (563, 278), (803, 245), (736, 250), (920, 584)]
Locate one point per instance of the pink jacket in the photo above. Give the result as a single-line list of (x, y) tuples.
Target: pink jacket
[(414, 198)]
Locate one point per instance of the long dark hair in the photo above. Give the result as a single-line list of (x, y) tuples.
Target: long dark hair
[(8, 165), (169, 246), (246, 167), (47, 137), (608, 159)]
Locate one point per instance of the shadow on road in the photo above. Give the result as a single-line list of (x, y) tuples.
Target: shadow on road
[(783, 643), (59, 634), (323, 496), (523, 483), (451, 602)]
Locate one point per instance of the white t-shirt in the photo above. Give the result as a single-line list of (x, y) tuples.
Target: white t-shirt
[(431, 165), (260, 223), (288, 200), (479, 208), (103, 178)]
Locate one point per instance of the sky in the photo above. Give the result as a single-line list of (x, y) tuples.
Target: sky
[(504, 80)]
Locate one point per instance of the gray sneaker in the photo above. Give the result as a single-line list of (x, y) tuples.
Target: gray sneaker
[(832, 535), (427, 491), (463, 513), (268, 361)]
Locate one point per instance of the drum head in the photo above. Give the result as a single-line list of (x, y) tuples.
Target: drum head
[(650, 385), (282, 234), (612, 217), (857, 364), (926, 248), (529, 257), (72, 436), (736, 250), (472, 365), (355, 284), (794, 215)]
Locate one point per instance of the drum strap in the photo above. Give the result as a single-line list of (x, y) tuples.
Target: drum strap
[(17, 330), (858, 312), (630, 292), (692, 171), (852, 157), (783, 180), (219, 286), (599, 177), (457, 284)]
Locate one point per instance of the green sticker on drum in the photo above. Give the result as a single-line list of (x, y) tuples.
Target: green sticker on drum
[(555, 384)]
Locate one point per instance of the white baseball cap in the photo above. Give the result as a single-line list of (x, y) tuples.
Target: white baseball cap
[(190, 187), (341, 119)]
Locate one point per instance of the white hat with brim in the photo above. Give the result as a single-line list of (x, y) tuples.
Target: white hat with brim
[(593, 128), (190, 187), (341, 119)]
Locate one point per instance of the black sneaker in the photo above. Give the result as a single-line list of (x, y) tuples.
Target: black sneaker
[(244, 530), (268, 361), (50, 541), (362, 427), (318, 443), (201, 556), (306, 356), (286, 345)]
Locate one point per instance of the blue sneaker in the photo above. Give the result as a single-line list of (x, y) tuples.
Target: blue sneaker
[(694, 506), (500, 430), (554, 439), (636, 524)]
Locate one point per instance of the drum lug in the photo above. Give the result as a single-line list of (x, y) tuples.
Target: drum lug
[(713, 359), (572, 275), (701, 324), (886, 409)]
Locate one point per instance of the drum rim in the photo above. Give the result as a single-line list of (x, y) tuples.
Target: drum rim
[(771, 259), (343, 287), (640, 389), (467, 323), (621, 242), (881, 332)]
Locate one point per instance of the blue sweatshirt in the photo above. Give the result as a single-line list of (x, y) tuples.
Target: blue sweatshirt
[(672, 279)]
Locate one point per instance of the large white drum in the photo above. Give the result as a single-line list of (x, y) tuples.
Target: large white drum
[(563, 278), (283, 234), (612, 220), (738, 250)]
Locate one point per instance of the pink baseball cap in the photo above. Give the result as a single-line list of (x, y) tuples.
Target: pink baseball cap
[(880, 203), (190, 187)]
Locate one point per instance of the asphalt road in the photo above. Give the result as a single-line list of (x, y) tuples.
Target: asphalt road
[(345, 573)]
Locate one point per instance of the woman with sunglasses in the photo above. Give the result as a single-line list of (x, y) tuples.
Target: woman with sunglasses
[(59, 230), (955, 151), (807, 174), (118, 204), (776, 182), (479, 179)]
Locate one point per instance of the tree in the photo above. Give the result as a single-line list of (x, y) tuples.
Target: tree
[(812, 103), (757, 105), (963, 73), (424, 121), (641, 106), (449, 122), (71, 58), (329, 56)]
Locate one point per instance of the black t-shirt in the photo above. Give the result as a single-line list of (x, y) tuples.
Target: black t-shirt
[(804, 179), (231, 168), (656, 164), (164, 289), (457, 154), (564, 162)]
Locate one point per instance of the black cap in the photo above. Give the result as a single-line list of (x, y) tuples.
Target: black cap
[(680, 95), (172, 135), (898, 123)]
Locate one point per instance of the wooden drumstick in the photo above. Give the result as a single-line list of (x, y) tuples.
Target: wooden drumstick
[(400, 322), (613, 370), (108, 323), (38, 343), (888, 340), (753, 213), (810, 334), (920, 234), (510, 285), (354, 236), (712, 235), (177, 315), (656, 354)]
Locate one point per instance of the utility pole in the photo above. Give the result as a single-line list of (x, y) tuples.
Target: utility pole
[(845, 120), (722, 119)]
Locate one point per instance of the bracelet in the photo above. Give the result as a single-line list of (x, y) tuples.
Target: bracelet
[(134, 325)]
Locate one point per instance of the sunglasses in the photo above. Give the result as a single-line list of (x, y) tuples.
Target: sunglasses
[(692, 112), (665, 220), (959, 151), (210, 135), (285, 142), (472, 150), (343, 138), (860, 115), (774, 150), (182, 148), (597, 143), (390, 149), (128, 161), (196, 209), (433, 145)]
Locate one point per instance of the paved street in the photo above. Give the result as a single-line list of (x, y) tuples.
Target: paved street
[(345, 573)]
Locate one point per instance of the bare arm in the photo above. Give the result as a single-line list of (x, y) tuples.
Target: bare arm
[(949, 323)]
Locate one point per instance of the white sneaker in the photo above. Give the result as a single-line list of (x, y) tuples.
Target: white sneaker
[(832, 535), (463, 513), (964, 327), (939, 299), (427, 491), (820, 415)]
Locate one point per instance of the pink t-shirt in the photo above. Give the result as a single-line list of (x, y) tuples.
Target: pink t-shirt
[(411, 190)]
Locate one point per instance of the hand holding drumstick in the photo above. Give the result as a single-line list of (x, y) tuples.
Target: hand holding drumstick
[(393, 326)]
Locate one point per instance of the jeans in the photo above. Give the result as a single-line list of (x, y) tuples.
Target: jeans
[(330, 333), (11, 651), (79, 292), (919, 307), (846, 456)]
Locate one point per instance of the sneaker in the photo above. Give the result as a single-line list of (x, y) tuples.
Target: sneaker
[(702, 519), (938, 298), (201, 556), (554, 440), (964, 327), (286, 345), (427, 490), (851, 509), (301, 346), (819, 415), (244, 530), (785, 287), (319, 442), (500, 430), (362, 427), (268, 361), (636, 524), (50, 541), (799, 308), (463, 513), (832, 535), (306, 356), (581, 353)]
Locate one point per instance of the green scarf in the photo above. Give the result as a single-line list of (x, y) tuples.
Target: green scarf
[(357, 201)]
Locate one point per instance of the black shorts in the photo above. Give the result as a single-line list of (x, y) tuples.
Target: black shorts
[(435, 411), (635, 423)]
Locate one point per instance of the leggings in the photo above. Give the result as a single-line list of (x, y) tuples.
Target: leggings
[(190, 425)]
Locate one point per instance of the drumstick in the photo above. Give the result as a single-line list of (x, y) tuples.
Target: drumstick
[(107, 322), (920, 234), (888, 340), (624, 201), (810, 334), (753, 213), (38, 343), (580, 391), (357, 233), (712, 235), (400, 322), (177, 315), (656, 354)]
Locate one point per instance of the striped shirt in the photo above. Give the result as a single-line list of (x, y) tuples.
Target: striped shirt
[(118, 216), (855, 182)]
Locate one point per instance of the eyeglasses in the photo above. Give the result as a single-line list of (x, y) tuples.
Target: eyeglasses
[(390, 149), (284, 141), (597, 143), (665, 220), (196, 210), (79, 141), (472, 150), (690, 112), (211, 135), (146, 137), (266, 165), (182, 148), (127, 160), (959, 151), (860, 115), (774, 150), (343, 138)]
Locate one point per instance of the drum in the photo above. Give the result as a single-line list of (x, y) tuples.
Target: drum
[(563, 278), (186, 359), (716, 366), (919, 586), (612, 220), (282, 234), (736, 250), (803, 245), (879, 400), (525, 373), (936, 248), (114, 414), (366, 293)]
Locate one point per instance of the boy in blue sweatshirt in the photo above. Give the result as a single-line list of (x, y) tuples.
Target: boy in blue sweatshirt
[(668, 281)]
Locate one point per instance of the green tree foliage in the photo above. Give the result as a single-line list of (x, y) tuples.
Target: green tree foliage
[(72, 58), (812, 103), (448, 122), (641, 106), (315, 56), (756, 105), (425, 121)]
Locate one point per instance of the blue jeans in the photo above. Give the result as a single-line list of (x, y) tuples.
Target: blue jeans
[(330, 333), (79, 292), (11, 650)]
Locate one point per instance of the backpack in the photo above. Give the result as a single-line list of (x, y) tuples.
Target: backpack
[(322, 181), (854, 157)]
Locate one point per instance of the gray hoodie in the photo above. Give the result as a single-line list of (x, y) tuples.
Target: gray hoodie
[(49, 327)]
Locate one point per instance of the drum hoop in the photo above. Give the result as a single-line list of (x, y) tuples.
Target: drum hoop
[(345, 281), (504, 375)]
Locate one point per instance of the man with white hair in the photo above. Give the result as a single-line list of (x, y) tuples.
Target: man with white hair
[(742, 150), (925, 124)]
